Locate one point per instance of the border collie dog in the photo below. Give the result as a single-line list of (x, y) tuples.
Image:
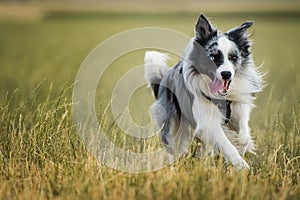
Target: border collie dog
[(208, 94)]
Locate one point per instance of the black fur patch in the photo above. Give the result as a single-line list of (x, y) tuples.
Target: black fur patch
[(218, 58), (242, 43), (214, 53), (204, 31), (240, 37), (155, 88)]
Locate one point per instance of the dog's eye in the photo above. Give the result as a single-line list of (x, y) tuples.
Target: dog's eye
[(217, 57), (232, 58), (213, 57)]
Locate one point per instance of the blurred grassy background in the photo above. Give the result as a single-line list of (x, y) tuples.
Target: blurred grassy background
[(49, 40), (46, 41)]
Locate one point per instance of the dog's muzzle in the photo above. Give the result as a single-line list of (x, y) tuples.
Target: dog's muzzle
[(220, 86)]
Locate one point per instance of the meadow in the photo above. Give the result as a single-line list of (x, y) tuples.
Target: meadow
[(42, 156)]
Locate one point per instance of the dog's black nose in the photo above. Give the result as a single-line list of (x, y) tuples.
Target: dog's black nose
[(226, 75)]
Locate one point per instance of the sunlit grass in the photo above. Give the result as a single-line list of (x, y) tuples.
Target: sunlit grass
[(43, 157)]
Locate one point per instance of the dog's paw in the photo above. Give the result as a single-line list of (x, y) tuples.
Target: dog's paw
[(237, 162), (246, 145), (240, 164)]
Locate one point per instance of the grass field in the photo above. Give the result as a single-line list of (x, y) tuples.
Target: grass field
[(42, 157)]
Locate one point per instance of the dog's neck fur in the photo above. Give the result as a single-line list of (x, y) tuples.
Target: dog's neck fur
[(223, 106)]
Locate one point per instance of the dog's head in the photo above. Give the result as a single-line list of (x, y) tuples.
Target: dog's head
[(229, 51)]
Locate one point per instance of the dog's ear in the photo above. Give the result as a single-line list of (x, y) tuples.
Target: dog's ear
[(204, 31), (240, 31), (240, 36)]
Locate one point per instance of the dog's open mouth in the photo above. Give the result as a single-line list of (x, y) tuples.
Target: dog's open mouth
[(220, 86), (224, 90)]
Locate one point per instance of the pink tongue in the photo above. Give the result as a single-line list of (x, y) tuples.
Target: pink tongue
[(216, 85)]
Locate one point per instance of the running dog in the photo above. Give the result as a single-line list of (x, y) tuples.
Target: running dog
[(208, 93)]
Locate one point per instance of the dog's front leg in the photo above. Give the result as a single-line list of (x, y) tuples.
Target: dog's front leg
[(240, 119), (215, 136), (209, 120)]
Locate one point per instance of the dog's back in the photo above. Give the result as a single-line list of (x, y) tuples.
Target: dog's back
[(172, 109)]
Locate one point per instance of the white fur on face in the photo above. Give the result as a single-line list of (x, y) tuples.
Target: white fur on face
[(226, 47)]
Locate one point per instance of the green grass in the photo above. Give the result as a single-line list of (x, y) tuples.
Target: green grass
[(42, 157)]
